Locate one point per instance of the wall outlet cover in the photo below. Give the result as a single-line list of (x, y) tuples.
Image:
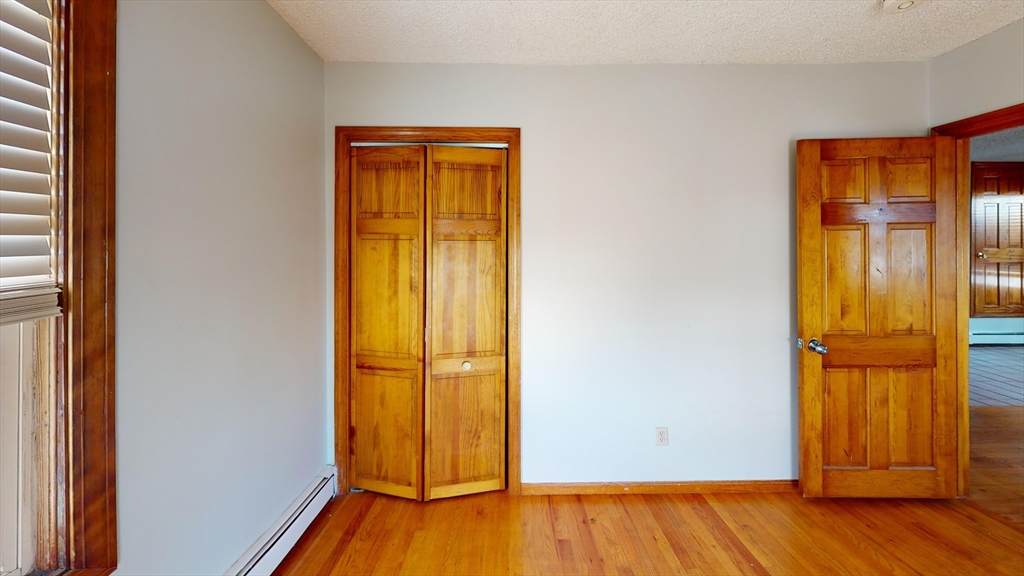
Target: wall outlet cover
[(661, 436)]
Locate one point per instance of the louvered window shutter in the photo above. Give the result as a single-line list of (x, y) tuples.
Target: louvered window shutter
[(28, 288)]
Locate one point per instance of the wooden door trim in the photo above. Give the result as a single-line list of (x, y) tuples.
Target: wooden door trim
[(344, 137), (963, 131)]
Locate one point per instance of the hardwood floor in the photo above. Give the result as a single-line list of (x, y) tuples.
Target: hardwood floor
[(997, 376), (783, 533), (997, 462)]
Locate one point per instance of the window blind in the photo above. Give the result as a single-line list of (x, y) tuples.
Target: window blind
[(28, 288)]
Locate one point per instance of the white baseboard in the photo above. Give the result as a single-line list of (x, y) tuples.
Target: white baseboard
[(263, 557)]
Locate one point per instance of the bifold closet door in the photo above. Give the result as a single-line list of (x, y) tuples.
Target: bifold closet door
[(387, 287), (428, 283), (466, 299)]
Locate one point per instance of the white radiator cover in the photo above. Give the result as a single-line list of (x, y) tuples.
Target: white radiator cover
[(264, 556)]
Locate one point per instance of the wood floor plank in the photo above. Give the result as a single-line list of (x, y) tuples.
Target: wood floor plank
[(697, 534), (539, 544)]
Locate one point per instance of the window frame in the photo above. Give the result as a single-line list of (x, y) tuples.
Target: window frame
[(76, 507)]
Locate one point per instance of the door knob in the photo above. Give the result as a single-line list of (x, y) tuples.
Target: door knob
[(982, 255), (817, 347), (467, 365)]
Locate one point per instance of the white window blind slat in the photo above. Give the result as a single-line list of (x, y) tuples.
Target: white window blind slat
[(24, 91), (28, 290), (24, 68), (27, 182), (41, 7), (23, 17), (23, 203), (22, 137), (17, 113), (24, 43), (24, 225), (24, 160), (24, 246), (16, 266)]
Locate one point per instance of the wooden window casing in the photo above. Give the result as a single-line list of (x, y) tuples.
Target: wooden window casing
[(77, 500)]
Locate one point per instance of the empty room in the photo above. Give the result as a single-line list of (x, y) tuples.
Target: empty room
[(518, 287)]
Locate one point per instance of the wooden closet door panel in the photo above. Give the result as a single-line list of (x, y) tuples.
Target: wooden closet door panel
[(387, 319), (465, 432), (998, 207)]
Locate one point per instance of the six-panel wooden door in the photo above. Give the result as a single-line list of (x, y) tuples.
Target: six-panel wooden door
[(997, 205), (876, 258), (428, 320)]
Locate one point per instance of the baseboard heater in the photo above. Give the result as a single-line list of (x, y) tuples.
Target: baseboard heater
[(264, 556)]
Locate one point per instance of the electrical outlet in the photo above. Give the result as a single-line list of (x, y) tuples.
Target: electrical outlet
[(661, 436)]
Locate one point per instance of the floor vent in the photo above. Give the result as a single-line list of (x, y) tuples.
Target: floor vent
[(263, 557)]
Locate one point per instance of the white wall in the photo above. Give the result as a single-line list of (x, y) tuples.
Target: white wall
[(985, 75), (658, 244), (221, 300)]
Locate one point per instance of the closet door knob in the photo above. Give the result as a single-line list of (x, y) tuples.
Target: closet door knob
[(466, 365)]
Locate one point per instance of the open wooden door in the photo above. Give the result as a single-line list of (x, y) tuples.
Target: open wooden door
[(876, 252)]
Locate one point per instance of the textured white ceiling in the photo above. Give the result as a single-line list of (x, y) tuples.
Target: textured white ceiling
[(639, 32), (1005, 146)]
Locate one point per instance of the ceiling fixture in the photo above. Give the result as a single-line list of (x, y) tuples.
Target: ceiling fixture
[(900, 6)]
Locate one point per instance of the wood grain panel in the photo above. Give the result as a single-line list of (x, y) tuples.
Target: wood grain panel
[(466, 307), (387, 431), (388, 181), (386, 297), (468, 183), (911, 409), (997, 281), (909, 180), (467, 440), (846, 417), (846, 307), (911, 289), (874, 351), (844, 181), (839, 214)]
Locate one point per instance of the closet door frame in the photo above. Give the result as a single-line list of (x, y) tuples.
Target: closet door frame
[(344, 137)]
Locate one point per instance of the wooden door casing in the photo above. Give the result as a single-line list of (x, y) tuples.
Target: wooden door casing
[(877, 285), (387, 290), (466, 340), (997, 208)]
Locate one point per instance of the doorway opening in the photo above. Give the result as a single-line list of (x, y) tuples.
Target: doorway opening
[(991, 369)]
